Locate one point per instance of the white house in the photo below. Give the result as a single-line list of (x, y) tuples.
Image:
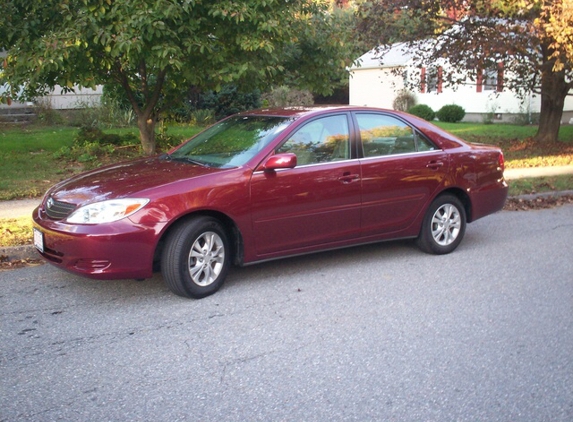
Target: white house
[(377, 79), (57, 99), (80, 98)]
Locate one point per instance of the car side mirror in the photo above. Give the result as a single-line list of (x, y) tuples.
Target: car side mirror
[(280, 161)]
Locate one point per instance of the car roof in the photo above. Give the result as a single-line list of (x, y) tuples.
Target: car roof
[(300, 111), (444, 138)]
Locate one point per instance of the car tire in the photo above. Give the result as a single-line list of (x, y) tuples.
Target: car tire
[(196, 258), (444, 225)]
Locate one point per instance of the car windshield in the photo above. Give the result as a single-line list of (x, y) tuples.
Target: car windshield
[(232, 142)]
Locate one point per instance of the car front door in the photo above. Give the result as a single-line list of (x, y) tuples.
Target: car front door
[(401, 170), (315, 203)]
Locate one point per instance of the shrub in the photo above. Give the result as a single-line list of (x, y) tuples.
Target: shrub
[(283, 96), (105, 114), (95, 135), (451, 113), (404, 101), (47, 115), (202, 117), (165, 141), (229, 100), (423, 111)]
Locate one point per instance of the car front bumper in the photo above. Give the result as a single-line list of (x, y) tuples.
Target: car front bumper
[(117, 250)]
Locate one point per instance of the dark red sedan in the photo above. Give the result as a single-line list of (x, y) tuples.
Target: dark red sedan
[(268, 184)]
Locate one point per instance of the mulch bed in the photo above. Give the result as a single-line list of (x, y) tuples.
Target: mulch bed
[(10, 264), (542, 202)]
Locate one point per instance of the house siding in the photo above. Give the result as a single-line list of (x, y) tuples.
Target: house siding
[(378, 86), (81, 98)]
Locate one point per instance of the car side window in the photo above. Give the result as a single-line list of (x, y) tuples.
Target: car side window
[(423, 144), (385, 135), (322, 140)]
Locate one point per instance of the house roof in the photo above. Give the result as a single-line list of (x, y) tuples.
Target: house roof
[(397, 55)]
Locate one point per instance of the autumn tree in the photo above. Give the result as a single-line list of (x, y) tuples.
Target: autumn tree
[(533, 39), (153, 49)]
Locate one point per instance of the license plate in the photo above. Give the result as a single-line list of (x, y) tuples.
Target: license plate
[(39, 240)]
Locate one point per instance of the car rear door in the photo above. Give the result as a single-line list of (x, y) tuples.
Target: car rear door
[(401, 171), (315, 203)]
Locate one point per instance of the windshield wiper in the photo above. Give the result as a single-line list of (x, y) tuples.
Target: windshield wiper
[(188, 160)]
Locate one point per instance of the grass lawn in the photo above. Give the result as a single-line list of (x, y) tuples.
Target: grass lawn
[(473, 131), (28, 164), (26, 161), (519, 149)]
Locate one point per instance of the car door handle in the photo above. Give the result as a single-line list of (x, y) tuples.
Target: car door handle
[(434, 165), (348, 178)]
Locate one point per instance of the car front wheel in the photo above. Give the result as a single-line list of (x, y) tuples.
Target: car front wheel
[(195, 259), (444, 226)]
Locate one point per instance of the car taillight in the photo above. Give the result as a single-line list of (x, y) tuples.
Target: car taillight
[(501, 161)]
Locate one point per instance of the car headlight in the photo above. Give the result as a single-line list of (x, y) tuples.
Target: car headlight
[(106, 211)]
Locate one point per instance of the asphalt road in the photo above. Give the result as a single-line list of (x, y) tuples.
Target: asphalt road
[(380, 332)]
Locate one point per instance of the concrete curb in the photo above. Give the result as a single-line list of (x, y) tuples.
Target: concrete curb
[(20, 252), (531, 196)]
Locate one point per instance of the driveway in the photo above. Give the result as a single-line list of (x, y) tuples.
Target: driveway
[(380, 332)]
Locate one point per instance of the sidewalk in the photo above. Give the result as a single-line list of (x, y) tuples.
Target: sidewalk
[(18, 208), (513, 174), (24, 207)]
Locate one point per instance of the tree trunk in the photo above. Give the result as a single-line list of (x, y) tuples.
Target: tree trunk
[(146, 125), (554, 89)]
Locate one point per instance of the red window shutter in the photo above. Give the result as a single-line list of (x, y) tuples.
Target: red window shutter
[(439, 80), (423, 80), (479, 81), (500, 77)]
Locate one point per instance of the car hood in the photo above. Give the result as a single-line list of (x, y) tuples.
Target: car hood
[(129, 179)]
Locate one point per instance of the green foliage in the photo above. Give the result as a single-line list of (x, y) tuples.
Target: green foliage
[(283, 96), (316, 59), (87, 153), (46, 115), (451, 113), (202, 117), (104, 115), (166, 141), (94, 134), (404, 101), (154, 50), (229, 100), (91, 145), (423, 111)]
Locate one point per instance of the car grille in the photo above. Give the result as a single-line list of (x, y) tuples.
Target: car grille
[(58, 210)]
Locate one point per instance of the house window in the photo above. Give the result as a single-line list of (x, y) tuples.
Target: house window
[(431, 80), (490, 79)]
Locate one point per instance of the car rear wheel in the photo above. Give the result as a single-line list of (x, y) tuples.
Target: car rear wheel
[(444, 226), (196, 258)]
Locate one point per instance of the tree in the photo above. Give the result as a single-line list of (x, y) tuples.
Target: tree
[(325, 46), (532, 39), (153, 49)]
